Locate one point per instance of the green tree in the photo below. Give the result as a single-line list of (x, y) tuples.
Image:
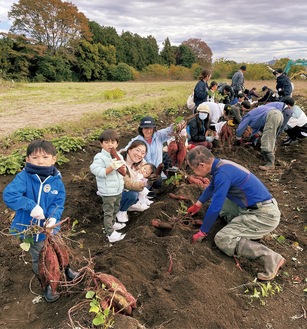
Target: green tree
[(168, 53), (185, 56), (50, 22), (17, 55)]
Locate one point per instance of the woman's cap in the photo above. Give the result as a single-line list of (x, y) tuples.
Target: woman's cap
[(147, 122), (203, 108)]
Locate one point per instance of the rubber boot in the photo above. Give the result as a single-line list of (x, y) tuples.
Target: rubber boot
[(49, 296), (70, 274), (253, 250), (270, 159)]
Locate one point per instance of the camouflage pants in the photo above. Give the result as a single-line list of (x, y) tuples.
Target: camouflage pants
[(245, 223)]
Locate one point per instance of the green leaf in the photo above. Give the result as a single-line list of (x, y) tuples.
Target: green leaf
[(281, 239), (100, 319), (25, 246), (94, 309), (90, 294)]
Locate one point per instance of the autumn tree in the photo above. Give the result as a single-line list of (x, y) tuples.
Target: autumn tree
[(50, 22), (202, 51)]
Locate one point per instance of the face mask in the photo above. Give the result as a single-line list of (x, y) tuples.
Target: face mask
[(203, 116)]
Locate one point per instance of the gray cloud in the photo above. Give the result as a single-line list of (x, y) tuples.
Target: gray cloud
[(237, 30)]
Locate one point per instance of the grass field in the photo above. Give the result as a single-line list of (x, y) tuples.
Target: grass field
[(39, 105)]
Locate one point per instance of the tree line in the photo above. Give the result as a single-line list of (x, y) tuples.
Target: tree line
[(51, 41)]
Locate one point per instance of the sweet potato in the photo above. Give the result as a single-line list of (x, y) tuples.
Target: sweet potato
[(161, 225), (172, 150), (181, 154), (197, 181), (61, 250), (48, 267), (178, 197), (159, 169), (114, 155)]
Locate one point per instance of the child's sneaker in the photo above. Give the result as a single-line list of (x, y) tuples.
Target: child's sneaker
[(118, 226), (138, 207), (116, 236), (122, 216)]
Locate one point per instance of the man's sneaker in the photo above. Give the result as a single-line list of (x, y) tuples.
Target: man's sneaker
[(290, 141), (116, 236), (122, 216), (138, 207), (118, 226)]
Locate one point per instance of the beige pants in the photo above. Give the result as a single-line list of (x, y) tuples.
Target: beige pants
[(273, 121)]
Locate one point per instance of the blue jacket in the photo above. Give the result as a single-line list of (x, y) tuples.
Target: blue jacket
[(231, 180), (111, 184), (26, 191), (256, 118), (155, 148), (200, 92)]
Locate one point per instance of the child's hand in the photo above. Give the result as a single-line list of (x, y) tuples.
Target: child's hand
[(49, 224), (116, 164), (37, 212)]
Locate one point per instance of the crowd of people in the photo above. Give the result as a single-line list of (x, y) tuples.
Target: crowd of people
[(127, 181)]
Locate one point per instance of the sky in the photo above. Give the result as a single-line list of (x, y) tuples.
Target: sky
[(245, 31)]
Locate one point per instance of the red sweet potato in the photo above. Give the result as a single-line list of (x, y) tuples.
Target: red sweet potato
[(114, 155), (181, 154), (161, 225), (197, 181), (172, 150), (159, 169), (48, 267), (61, 250)]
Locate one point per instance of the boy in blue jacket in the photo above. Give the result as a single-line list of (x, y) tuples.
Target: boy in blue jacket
[(37, 195)]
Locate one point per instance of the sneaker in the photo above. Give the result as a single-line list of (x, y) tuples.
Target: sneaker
[(290, 141), (118, 226), (138, 207), (116, 236), (151, 195), (122, 217)]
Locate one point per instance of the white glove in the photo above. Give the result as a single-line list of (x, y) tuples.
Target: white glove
[(37, 212), (115, 164), (210, 138), (50, 222)]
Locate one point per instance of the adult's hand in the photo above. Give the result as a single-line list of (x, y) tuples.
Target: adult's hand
[(238, 141), (193, 209), (199, 236)]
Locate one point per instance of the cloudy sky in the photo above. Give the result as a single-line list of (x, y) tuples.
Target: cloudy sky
[(239, 30)]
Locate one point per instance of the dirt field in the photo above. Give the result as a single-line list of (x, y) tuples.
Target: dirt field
[(178, 285)]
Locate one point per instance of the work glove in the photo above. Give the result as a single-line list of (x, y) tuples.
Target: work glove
[(116, 164), (193, 209), (37, 212), (199, 236), (230, 123), (238, 141), (50, 222), (152, 178), (210, 138)]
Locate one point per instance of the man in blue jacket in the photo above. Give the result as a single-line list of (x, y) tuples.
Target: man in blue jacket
[(245, 203), (267, 121)]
